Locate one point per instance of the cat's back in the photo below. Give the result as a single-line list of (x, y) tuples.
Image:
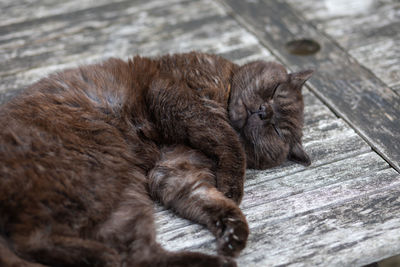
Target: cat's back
[(63, 135), (207, 75), (84, 88)]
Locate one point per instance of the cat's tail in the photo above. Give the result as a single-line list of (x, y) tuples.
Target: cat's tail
[(9, 259)]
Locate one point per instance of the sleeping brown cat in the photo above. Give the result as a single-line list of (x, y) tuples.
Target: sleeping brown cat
[(84, 151)]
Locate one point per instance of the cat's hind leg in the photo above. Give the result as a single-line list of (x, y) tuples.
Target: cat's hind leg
[(183, 180), (130, 230)]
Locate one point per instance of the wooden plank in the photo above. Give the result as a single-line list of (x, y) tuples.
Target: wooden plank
[(247, 53), (275, 198), (341, 234), (321, 12), (355, 233), (382, 57), (352, 23), (314, 109), (104, 31), (353, 92), (368, 30), (397, 88), (21, 10), (79, 35), (119, 30), (286, 197)]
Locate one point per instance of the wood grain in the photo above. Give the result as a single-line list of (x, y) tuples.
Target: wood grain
[(30, 50), (277, 198), (345, 224), (27, 10), (335, 212), (353, 233), (368, 29), (353, 92)]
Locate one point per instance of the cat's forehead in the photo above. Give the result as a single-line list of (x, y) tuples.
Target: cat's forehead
[(275, 71), (267, 72)]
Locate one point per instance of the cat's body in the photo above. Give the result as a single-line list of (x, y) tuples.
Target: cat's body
[(83, 153)]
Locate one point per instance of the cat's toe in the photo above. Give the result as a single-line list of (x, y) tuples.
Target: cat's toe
[(233, 236)]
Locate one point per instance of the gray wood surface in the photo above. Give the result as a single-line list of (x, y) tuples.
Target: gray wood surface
[(368, 29), (340, 211), (32, 49), (353, 92), (354, 232)]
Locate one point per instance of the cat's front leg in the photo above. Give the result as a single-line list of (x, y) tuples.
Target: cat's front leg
[(183, 117), (182, 180)]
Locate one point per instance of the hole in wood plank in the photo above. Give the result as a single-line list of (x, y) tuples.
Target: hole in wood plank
[(303, 47)]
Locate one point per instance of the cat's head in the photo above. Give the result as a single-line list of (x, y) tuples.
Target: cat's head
[(266, 108)]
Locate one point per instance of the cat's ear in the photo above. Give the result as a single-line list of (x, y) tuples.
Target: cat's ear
[(299, 78), (298, 155)]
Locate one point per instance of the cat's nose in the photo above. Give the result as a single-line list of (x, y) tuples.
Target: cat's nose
[(265, 111)]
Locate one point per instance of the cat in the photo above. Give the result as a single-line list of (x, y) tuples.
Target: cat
[(84, 153)]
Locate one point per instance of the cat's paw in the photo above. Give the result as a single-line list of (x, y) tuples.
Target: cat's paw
[(232, 235), (232, 193)]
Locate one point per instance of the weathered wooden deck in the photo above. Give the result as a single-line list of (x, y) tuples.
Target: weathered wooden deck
[(344, 209)]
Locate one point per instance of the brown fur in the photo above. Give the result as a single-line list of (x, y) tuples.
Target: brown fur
[(83, 150)]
